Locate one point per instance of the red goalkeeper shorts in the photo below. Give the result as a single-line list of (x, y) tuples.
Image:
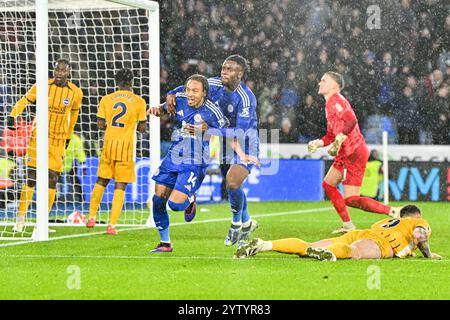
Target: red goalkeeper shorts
[(354, 165)]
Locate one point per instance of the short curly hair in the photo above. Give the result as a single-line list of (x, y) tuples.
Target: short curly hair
[(124, 77), (240, 60)]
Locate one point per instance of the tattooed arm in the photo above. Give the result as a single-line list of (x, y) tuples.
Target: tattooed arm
[(421, 239)]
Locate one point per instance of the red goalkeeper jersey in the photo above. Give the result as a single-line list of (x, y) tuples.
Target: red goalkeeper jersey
[(338, 110)]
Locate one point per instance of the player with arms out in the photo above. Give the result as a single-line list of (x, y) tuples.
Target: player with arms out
[(241, 148), (119, 114), (386, 239), (183, 169), (64, 102), (350, 151)]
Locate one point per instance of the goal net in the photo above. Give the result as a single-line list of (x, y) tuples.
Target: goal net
[(98, 38)]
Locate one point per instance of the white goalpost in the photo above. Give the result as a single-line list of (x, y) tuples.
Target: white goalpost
[(385, 168), (98, 37)]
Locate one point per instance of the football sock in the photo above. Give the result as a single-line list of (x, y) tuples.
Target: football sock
[(341, 250), (96, 198), (247, 224), (367, 204), (161, 218), (179, 206), (236, 198), (337, 200), (51, 198), (245, 216), (291, 245), (117, 205), (25, 199)]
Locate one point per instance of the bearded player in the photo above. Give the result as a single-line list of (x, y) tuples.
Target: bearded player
[(386, 239), (64, 102), (350, 151)]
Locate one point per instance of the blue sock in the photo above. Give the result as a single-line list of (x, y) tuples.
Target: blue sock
[(245, 215), (161, 218), (236, 198), (179, 206)]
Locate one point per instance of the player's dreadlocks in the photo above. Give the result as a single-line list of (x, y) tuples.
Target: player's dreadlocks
[(124, 77), (337, 77), (202, 79), (409, 210), (240, 60)]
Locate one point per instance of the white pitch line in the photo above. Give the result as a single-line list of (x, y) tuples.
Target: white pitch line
[(167, 256), (275, 214)]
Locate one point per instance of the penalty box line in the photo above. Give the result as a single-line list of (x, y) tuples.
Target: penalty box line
[(269, 215)]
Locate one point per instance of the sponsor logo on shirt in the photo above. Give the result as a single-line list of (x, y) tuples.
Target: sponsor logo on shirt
[(245, 112)]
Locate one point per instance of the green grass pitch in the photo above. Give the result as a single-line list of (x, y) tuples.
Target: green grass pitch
[(97, 266)]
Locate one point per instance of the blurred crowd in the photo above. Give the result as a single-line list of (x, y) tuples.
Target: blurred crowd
[(395, 58)]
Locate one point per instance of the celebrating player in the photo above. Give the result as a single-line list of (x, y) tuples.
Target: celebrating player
[(350, 151), (183, 169), (118, 114), (387, 238), (238, 104), (64, 100)]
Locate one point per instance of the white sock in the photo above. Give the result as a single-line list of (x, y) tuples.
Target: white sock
[(267, 246), (247, 224), (348, 225), (236, 224)]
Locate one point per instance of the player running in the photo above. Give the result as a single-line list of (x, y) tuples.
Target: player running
[(386, 239), (241, 148), (119, 113), (183, 169), (350, 151), (64, 102)]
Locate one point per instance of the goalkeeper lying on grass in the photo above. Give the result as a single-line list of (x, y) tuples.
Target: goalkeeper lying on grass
[(387, 238)]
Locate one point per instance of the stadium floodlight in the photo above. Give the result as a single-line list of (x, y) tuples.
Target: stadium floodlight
[(98, 37)]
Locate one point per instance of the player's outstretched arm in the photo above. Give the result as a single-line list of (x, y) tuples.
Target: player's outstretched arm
[(171, 102), (156, 111), (421, 239)]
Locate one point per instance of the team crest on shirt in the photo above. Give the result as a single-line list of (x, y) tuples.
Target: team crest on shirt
[(338, 107), (198, 118), (230, 108), (66, 102)]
